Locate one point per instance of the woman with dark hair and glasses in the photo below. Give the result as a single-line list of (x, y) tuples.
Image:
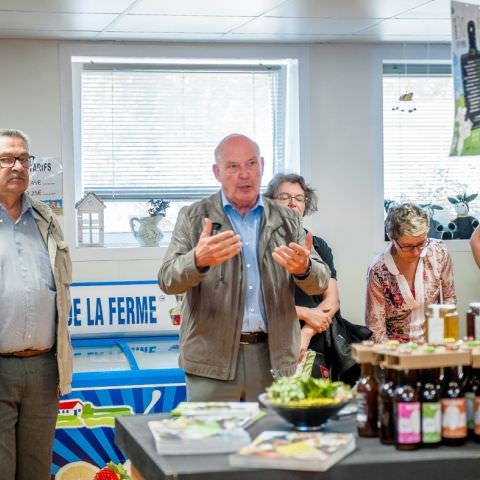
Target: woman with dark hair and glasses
[(323, 329), (413, 272)]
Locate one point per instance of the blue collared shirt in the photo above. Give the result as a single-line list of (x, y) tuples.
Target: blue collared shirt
[(27, 287), (248, 227)]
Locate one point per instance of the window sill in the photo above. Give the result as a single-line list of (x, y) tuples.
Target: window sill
[(120, 247)]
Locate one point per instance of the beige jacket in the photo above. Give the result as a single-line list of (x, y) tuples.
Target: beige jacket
[(62, 272), (212, 312)]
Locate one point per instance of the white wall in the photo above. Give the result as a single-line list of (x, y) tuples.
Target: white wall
[(342, 152)]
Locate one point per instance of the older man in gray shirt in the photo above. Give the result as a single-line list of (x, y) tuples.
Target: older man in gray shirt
[(35, 351)]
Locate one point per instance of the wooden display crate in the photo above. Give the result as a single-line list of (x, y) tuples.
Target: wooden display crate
[(419, 359), (373, 354), (476, 357), (387, 357)]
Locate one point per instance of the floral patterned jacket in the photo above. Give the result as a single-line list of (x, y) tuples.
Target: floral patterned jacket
[(392, 311)]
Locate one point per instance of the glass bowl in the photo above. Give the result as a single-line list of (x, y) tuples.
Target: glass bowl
[(304, 417)]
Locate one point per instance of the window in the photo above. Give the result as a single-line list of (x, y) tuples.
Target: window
[(149, 131), (417, 137)]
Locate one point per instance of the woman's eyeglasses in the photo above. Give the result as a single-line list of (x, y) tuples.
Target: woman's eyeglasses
[(411, 248), (285, 196)]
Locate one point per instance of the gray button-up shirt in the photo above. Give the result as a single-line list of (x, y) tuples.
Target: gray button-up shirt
[(27, 287)]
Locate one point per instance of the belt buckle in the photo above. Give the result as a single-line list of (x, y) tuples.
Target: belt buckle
[(247, 336)]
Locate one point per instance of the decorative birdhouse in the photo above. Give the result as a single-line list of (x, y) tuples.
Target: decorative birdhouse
[(90, 221)]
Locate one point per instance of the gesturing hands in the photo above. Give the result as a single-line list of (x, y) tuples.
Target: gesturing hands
[(294, 258), (217, 249)]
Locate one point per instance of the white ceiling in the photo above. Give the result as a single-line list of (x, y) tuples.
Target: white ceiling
[(304, 21)]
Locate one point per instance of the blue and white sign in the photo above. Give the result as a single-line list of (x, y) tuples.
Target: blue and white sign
[(120, 307)]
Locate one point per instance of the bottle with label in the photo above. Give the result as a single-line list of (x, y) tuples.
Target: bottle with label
[(470, 65), (472, 386), (367, 401), (407, 414), (454, 409), (176, 311), (434, 325), (476, 416), (386, 419), (473, 321), (431, 409)]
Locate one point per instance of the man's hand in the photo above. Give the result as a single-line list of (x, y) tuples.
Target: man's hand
[(294, 258), (217, 249), (306, 335), (317, 318)]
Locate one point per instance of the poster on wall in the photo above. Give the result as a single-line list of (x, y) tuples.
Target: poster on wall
[(119, 308), (46, 182)]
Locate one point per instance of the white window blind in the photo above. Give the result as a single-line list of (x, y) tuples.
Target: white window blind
[(417, 165), (151, 131)]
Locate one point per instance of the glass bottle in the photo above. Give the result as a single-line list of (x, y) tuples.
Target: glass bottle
[(454, 409), (431, 409), (476, 416), (386, 420), (176, 311), (367, 401), (407, 413), (434, 324), (473, 321), (472, 386)]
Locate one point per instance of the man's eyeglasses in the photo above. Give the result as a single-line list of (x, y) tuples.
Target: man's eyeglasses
[(411, 248), (285, 196), (9, 162)]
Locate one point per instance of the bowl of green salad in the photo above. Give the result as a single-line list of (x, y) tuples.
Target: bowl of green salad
[(306, 403)]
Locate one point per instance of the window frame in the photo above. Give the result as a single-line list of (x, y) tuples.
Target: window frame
[(70, 88), (417, 68)]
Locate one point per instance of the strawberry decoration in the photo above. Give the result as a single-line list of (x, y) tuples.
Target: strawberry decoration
[(112, 472)]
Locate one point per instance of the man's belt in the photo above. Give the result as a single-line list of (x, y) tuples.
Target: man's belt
[(26, 353), (248, 338)]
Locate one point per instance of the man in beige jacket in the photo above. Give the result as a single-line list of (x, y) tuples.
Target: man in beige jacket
[(35, 349), (238, 257)]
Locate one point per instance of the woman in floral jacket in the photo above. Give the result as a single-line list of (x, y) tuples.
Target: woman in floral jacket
[(413, 272)]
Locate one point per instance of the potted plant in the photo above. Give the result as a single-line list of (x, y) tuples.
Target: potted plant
[(158, 207), (146, 229)]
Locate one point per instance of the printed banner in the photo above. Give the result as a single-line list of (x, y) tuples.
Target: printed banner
[(466, 71), (120, 307), (46, 182)]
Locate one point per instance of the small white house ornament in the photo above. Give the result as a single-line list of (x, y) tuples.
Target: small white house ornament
[(90, 221)]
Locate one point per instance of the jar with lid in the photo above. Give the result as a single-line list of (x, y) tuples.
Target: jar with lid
[(473, 320), (441, 322), (451, 321)]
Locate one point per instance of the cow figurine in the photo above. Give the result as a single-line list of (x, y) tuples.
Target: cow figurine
[(463, 226), (436, 230)]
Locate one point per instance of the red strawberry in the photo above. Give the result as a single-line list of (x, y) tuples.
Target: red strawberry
[(106, 474), (112, 472)]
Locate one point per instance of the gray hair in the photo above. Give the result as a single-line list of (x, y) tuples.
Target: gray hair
[(219, 148), (9, 132), (406, 219), (311, 199)]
